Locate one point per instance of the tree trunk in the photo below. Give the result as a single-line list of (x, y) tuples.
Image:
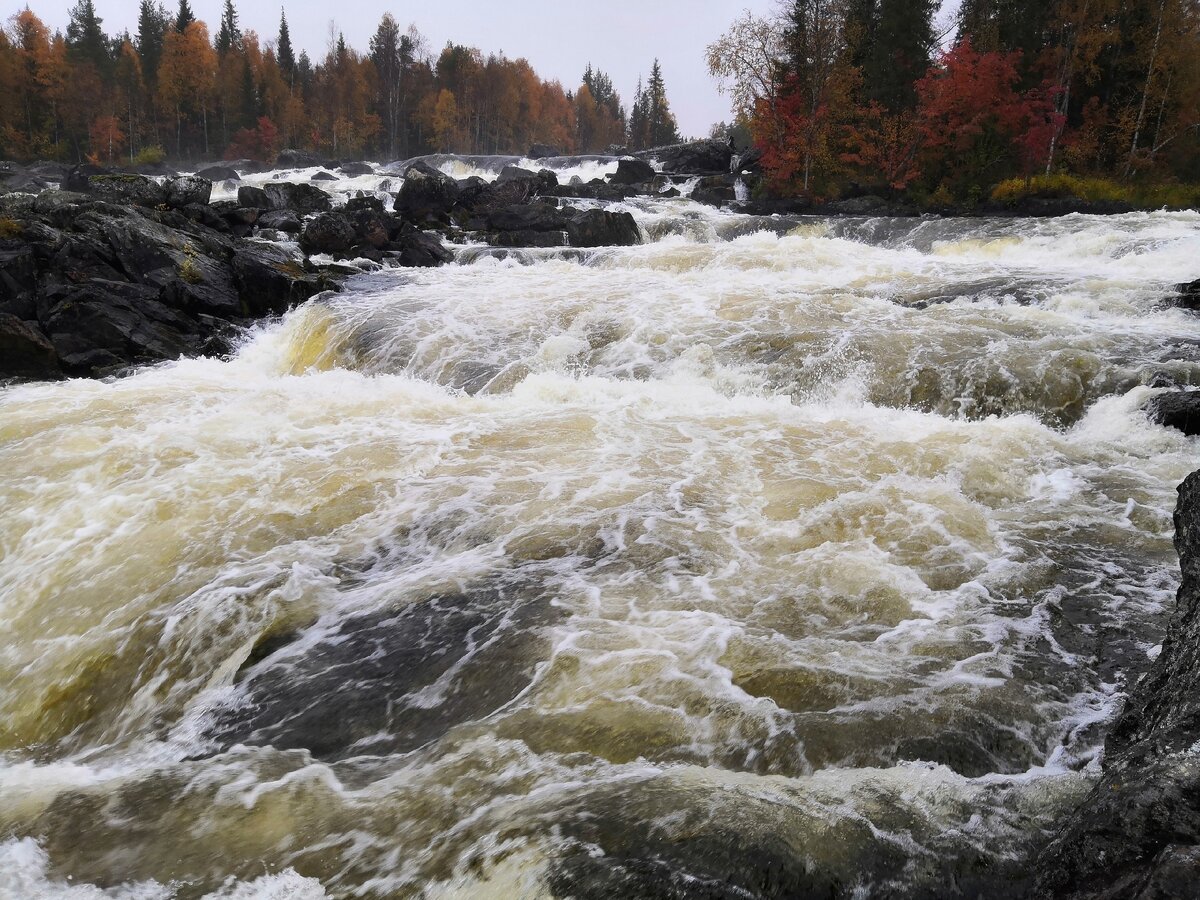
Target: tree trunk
[(1137, 129)]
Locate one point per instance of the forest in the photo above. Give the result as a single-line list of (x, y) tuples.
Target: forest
[(1095, 98), (170, 89)]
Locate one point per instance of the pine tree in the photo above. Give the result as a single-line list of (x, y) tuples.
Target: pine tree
[(185, 17), (639, 134), (385, 54), (283, 50), (86, 41), (229, 35)]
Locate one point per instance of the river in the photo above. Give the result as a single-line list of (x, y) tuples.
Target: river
[(773, 556)]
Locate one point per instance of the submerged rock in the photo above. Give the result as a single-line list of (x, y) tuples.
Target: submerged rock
[(1137, 833), (1189, 295), (356, 168), (394, 680)]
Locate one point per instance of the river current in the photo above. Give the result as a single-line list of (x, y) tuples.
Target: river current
[(772, 556)]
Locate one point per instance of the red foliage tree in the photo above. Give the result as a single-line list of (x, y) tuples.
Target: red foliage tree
[(260, 143), (974, 124)]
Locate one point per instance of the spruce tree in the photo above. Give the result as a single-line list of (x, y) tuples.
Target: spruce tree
[(901, 44), (86, 41), (1006, 25), (229, 35), (661, 122), (639, 134), (283, 50), (185, 17), (153, 22)]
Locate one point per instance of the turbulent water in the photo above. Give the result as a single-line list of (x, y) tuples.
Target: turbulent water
[(771, 556)]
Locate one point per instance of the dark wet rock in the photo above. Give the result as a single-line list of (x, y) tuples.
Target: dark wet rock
[(298, 159), (543, 151), (354, 169), (219, 173), (633, 171), (105, 285), (1137, 832), (246, 166), (427, 194), (101, 326), (1176, 409), (707, 157), (270, 281), (26, 351), (750, 161), (302, 198), (280, 220), (137, 189), (361, 689), (79, 177), (601, 228), (856, 206), (1189, 295), (187, 190), (329, 232), (253, 197), (324, 176), (715, 190), (416, 249)]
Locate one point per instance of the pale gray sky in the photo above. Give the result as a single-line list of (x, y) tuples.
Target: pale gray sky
[(559, 38)]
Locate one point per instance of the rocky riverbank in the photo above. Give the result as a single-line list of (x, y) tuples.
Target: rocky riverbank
[(1137, 835)]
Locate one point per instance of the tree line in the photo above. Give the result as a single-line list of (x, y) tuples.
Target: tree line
[(169, 88), (866, 93)]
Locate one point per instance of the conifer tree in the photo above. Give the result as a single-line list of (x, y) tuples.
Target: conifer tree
[(283, 51), (86, 42), (185, 16), (660, 121), (901, 51), (229, 35), (152, 26)]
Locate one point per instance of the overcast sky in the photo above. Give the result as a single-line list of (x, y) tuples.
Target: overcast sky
[(622, 37)]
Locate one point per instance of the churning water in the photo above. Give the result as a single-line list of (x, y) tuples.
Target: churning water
[(771, 556)]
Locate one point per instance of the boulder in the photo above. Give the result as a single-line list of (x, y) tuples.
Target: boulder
[(270, 281), (79, 177), (750, 161), (1189, 295), (354, 169), (707, 157), (715, 190), (27, 353), (324, 176), (140, 190), (247, 166), (281, 220), (303, 198), (632, 171), (18, 281), (219, 173), (329, 232), (185, 190), (417, 249), (1176, 409), (602, 228), (427, 194), (543, 151), (253, 198), (298, 159)]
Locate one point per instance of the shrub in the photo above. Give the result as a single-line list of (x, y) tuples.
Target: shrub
[(149, 156)]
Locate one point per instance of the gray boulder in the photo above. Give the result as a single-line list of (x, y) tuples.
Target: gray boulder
[(185, 190)]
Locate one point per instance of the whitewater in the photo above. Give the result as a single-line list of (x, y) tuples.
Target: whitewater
[(775, 553)]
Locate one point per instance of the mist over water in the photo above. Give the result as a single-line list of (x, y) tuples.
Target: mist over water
[(771, 555)]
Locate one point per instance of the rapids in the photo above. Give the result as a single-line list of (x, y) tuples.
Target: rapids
[(771, 556)]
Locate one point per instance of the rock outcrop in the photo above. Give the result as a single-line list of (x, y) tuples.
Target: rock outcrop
[(1137, 835), (707, 157), (135, 271)]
